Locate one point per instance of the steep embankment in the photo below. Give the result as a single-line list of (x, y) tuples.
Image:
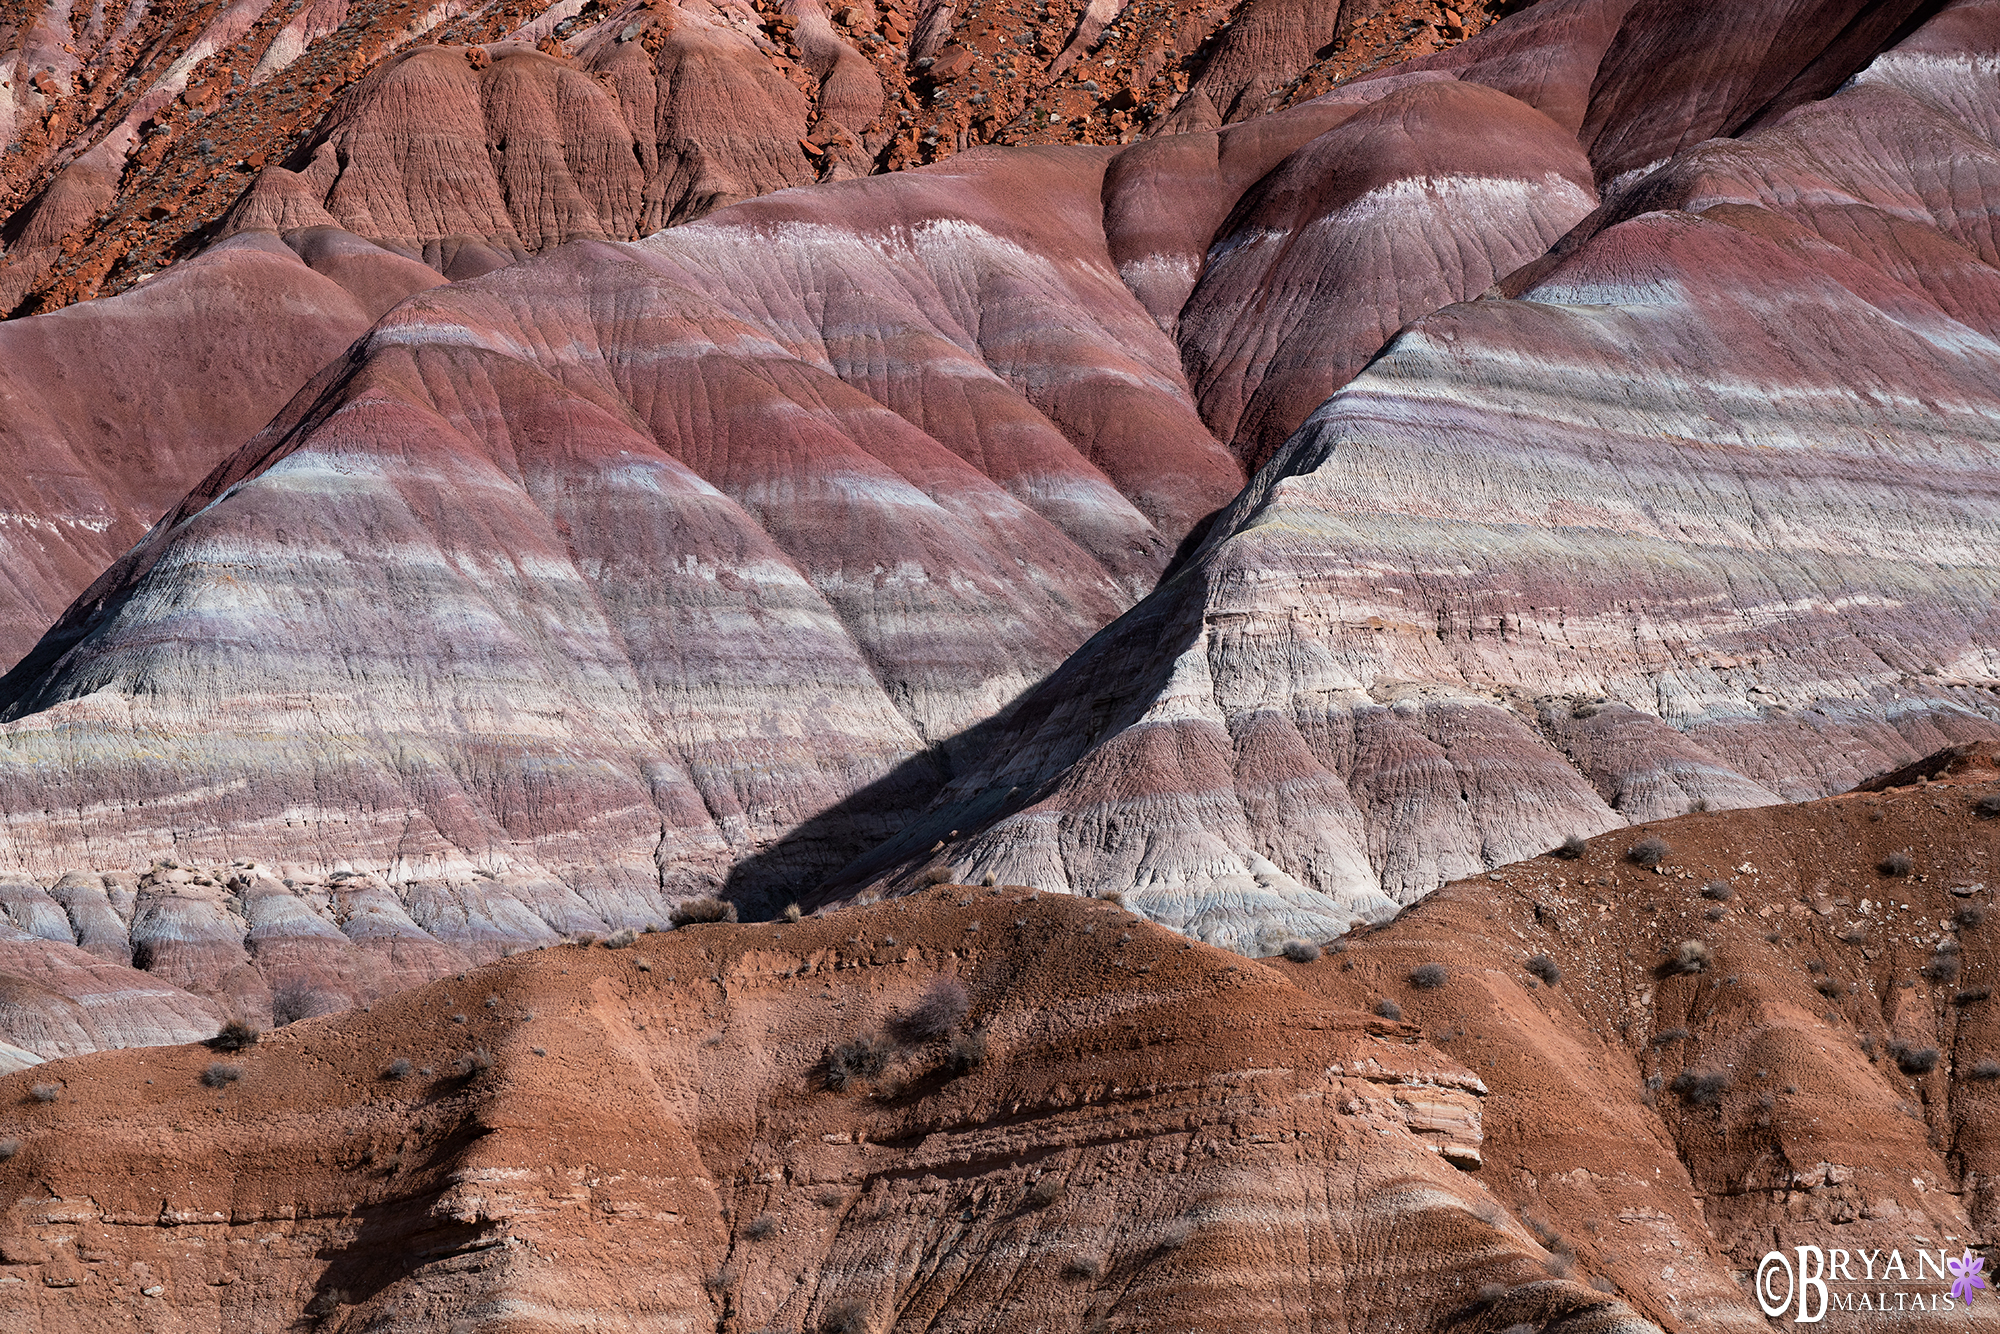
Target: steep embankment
[(1076, 1117)]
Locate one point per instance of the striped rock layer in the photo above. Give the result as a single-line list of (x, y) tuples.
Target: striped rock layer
[(1700, 509), (774, 555)]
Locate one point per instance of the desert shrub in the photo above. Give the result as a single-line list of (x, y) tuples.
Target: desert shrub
[(1914, 1060), (1828, 987), (1082, 1266), (968, 1053), (1666, 1037), (845, 1317), (475, 1062), (220, 1075), (1943, 967), (1700, 804), (760, 1227), (44, 1093), (1388, 1009), (1968, 917), (1702, 1088), (1176, 1235), (1988, 806), (1045, 1192), (1559, 1266), (1648, 852), (1718, 890), (397, 1069), (1571, 849), (864, 1057), (326, 1303), (1429, 976), (1868, 1045), (696, 911), (622, 938), (939, 1010), (1542, 966), (937, 875), (583, 938), (1603, 1284), (794, 913), (719, 1281), (1690, 956), (1490, 1293), (989, 880), (1300, 951), (293, 1000), (1971, 995), (1896, 863), (235, 1036), (8, 1148), (1987, 1069)]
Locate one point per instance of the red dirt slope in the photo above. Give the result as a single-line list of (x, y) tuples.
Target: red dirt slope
[(1124, 1130)]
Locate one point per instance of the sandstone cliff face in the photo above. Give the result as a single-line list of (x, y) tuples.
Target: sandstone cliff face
[(1646, 527), (1108, 1125)]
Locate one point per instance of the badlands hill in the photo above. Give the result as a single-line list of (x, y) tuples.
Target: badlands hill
[(467, 135), (792, 553), (1579, 1094)]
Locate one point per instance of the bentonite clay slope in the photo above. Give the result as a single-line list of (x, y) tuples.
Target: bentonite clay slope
[(1562, 1117), (1705, 511), (810, 487), (110, 411), (612, 570), (469, 133)]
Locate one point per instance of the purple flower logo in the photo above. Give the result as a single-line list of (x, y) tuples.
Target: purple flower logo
[(1966, 1276)]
